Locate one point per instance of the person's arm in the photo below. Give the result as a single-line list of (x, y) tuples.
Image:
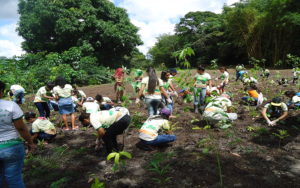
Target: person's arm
[(110, 103), (23, 131), (229, 110), (209, 83), (264, 114), (283, 116), (35, 136), (291, 106), (163, 91), (141, 91), (48, 97), (79, 103), (82, 99), (57, 97), (101, 133)]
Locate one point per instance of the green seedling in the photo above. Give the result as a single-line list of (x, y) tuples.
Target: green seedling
[(98, 184), (117, 157), (41, 143), (282, 134)]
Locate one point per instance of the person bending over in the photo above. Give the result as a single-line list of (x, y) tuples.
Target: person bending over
[(42, 128), (18, 92), (149, 131), (276, 109), (295, 99), (109, 124), (104, 102), (253, 94), (89, 106)]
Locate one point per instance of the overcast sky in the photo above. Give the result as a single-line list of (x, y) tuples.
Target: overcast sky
[(153, 17)]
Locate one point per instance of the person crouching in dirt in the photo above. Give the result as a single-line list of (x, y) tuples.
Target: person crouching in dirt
[(265, 74), (42, 128), (81, 96), (249, 80), (283, 82), (119, 85), (216, 107), (238, 68), (18, 92), (104, 102), (154, 87), (295, 99), (276, 109), (149, 131), (137, 79), (109, 124), (89, 106), (253, 94)]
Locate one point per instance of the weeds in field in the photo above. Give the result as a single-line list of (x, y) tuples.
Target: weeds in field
[(126, 100), (117, 157), (194, 119), (204, 144), (282, 134), (41, 143), (136, 120), (259, 132), (80, 151), (58, 183)]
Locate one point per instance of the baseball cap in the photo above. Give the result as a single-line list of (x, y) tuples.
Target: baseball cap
[(276, 101), (166, 111), (173, 70)]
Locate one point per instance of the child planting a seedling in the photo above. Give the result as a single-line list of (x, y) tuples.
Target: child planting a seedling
[(219, 109), (224, 78), (104, 102), (43, 95), (136, 84), (108, 124), (154, 87), (18, 92), (295, 99), (168, 86), (275, 109), (240, 74), (79, 94), (202, 80), (265, 74), (63, 92), (248, 80), (89, 106), (253, 95), (119, 85), (296, 74), (149, 131), (283, 82), (42, 128)]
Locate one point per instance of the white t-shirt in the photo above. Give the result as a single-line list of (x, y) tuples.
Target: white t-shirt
[(296, 99), (9, 112), (157, 94), (167, 84), (104, 118), (248, 80), (225, 76), (90, 107), (202, 79), (238, 68), (149, 130), (39, 97), (219, 104), (81, 93), (74, 99), (43, 125), (63, 92), (16, 87), (296, 73)]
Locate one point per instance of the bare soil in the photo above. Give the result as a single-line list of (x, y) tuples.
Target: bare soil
[(256, 161)]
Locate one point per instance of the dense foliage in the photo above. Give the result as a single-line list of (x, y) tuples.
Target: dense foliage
[(35, 70), (97, 27), (262, 29)]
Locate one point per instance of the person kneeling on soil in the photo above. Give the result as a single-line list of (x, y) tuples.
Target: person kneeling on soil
[(283, 82), (253, 95), (249, 80), (275, 109), (89, 106), (42, 128), (295, 99), (104, 102), (79, 94), (215, 109), (108, 124), (149, 131)]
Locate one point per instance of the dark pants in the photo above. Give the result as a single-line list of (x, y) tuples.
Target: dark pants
[(295, 80), (43, 108), (105, 107), (110, 137), (43, 136)]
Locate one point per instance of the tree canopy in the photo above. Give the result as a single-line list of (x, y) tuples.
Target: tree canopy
[(97, 27)]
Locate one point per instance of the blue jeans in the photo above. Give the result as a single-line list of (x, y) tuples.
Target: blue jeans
[(42, 135), (105, 107), (43, 108), (19, 93), (160, 139), (296, 105), (246, 99), (170, 106), (152, 106), (53, 105), (202, 95), (11, 163)]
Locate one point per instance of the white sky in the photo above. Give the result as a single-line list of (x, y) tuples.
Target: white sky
[(153, 17)]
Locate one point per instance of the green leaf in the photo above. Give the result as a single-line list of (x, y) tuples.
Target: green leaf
[(117, 157), (125, 154), (111, 155)]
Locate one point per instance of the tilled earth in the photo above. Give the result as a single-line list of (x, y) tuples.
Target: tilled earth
[(247, 158)]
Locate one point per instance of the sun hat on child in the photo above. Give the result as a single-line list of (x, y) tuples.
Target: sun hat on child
[(276, 101)]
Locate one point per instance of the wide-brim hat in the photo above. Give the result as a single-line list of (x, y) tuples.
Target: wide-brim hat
[(276, 101)]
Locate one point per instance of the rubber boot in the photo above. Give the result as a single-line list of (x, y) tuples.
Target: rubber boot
[(196, 109)]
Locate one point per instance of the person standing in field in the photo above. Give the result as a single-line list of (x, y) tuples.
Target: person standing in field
[(154, 87), (137, 79), (119, 85), (43, 95), (202, 79), (224, 79), (238, 68), (18, 91), (12, 151), (63, 93)]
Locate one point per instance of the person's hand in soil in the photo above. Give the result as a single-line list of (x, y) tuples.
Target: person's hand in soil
[(137, 101), (31, 148)]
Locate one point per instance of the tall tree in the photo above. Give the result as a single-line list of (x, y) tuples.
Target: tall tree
[(96, 27)]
